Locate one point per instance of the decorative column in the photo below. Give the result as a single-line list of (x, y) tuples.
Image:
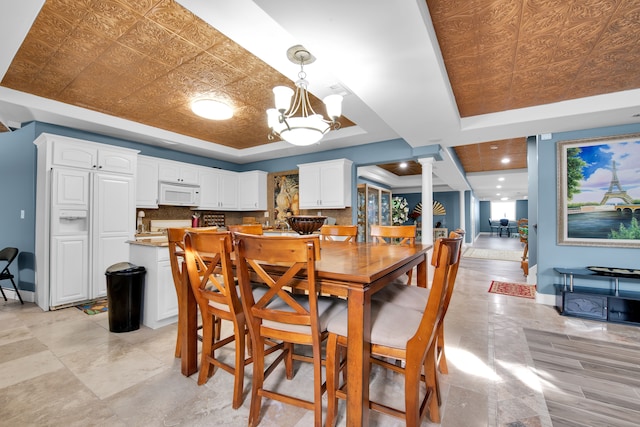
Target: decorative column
[(462, 213), (427, 200)]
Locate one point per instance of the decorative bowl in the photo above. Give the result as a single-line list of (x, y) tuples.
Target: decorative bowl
[(305, 224)]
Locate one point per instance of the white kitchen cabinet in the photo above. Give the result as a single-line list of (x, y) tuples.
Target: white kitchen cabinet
[(325, 185), (218, 189), (147, 182), (67, 152), (160, 305), (252, 186), (84, 217), (177, 172)]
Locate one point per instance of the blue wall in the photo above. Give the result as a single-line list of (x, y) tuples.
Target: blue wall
[(449, 199), (549, 253)]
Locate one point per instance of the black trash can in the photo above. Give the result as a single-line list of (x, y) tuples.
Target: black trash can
[(125, 283)]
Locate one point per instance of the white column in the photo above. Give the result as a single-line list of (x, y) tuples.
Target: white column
[(462, 211), (427, 199)]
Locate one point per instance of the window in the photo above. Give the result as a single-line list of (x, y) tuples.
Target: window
[(501, 210)]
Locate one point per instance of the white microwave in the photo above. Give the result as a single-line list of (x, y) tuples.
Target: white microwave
[(178, 194)]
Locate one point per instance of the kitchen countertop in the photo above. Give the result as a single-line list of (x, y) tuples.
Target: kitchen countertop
[(149, 242)]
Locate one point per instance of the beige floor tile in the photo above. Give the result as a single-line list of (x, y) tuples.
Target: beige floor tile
[(28, 367)]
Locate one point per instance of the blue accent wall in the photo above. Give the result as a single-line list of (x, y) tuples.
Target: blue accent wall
[(449, 199), (549, 253)]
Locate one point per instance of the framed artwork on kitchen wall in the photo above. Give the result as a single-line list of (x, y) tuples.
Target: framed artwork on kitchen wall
[(599, 192), (285, 196)]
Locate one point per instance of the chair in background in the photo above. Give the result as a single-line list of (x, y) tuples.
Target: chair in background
[(343, 233), (395, 235), (493, 226), (282, 316), (246, 228), (208, 262), (9, 254), (399, 333), (504, 226), (523, 233)]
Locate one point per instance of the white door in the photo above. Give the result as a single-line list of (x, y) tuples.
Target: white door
[(114, 224), (69, 269)]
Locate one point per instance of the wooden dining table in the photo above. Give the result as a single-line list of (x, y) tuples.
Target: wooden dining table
[(352, 270)]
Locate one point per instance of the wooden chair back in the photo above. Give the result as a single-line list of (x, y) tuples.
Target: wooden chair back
[(394, 234), (246, 228), (343, 233)]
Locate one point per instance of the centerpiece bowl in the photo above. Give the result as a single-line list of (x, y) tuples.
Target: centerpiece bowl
[(305, 224)]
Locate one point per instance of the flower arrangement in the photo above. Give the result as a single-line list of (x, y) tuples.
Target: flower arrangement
[(399, 210)]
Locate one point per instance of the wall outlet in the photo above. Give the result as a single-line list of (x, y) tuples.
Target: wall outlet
[(21, 213), (319, 213)]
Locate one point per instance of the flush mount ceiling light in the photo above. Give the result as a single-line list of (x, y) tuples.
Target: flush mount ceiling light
[(211, 109), (505, 160), (308, 127)]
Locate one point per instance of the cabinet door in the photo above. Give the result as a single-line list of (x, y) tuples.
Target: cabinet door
[(116, 161), (332, 182), (209, 185), (585, 305), (166, 292), (75, 155), (69, 274), (114, 224), (228, 190), (147, 183), (309, 186), (70, 188), (252, 192)]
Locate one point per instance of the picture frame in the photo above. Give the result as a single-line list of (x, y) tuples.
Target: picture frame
[(598, 193)]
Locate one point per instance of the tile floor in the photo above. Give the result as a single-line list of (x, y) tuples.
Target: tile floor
[(64, 368)]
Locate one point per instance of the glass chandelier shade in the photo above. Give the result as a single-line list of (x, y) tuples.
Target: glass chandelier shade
[(295, 121)]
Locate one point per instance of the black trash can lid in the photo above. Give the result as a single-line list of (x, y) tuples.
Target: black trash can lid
[(124, 268)]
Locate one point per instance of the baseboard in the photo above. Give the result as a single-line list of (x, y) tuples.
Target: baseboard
[(27, 296)]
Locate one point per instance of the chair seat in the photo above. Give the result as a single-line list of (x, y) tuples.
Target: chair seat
[(400, 294), (258, 292), (327, 309), (391, 325)]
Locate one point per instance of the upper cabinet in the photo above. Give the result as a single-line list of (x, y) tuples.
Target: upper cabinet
[(252, 190), (218, 190), (325, 184), (177, 172), (68, 152), (147, 183)]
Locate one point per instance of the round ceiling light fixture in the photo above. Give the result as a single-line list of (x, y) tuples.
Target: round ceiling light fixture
[(211, 109)]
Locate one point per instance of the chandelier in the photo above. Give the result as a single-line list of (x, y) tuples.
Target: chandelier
[(308, 127)]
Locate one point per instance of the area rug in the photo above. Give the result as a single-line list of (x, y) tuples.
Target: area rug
[(513, 289), (94, 307), (501, 255)]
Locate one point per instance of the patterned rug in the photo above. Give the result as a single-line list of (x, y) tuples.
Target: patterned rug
[(513, 289), (501, 255), (94, 307)]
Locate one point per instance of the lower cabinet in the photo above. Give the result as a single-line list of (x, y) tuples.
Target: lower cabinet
[(160, 305), (599, 304)]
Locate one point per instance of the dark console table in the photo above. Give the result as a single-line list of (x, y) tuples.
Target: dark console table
[(612, 305)]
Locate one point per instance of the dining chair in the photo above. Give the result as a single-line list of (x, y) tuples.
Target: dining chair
[(175, 240), (343, 233), (246, 228), (395, 235), (416, 298), (9, 254), (398, 333), (281, 315), (210, 269)]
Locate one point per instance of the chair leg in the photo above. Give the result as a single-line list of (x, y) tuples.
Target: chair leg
[(333, 378), (441, 355), (17, 292), (238, 385), (258, 381), (3, 295), (412, 376), (206, 368), (431, 379)]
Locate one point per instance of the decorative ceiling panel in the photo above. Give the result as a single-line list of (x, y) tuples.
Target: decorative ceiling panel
[(487, 156), (145, 60), (506, 54)]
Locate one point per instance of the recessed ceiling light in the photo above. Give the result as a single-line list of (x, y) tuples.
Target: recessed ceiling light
[(504, 198), (403, 165), (498, 186), (211, 109), (501, 179), (505, 160), (493, 147), (497, 194)]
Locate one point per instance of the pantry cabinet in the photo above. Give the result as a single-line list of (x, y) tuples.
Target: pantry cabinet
[(325, 185)]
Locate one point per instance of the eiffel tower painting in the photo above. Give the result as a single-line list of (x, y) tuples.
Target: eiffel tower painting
[(615, 189)]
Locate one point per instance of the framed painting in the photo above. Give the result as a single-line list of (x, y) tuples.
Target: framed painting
[(285, 196), (599, 192)]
